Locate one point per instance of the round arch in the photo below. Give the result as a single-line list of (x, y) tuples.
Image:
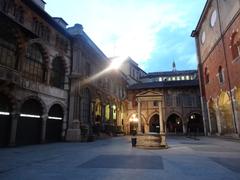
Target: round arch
[(5, 120), (154, 125), (195, 123), (29, 126), (225, 108), (174, 123), (54, 125), (212, 116), (131, 126)]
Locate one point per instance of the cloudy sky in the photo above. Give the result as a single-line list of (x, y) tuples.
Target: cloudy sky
[(152, 32)]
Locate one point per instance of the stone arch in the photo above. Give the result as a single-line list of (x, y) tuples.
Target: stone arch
[(54, 124), (154, 124), (44, 107), (143, 122), (29, 126), (212, 116), (43, 50), (225, 108), (63, 106), (195, 122), (174, 123), (64, 61)]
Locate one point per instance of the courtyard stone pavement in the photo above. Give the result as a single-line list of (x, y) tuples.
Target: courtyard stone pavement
[(114, 158)]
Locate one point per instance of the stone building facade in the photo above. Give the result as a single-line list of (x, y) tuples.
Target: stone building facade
[(34, 64), (217, 42), (97, 93), (172, 97)]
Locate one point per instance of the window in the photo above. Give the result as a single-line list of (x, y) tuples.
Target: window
[(178, 100), (169, 100), (235, 45), (160, 79), (8, 48), (178, 78), (174, 78), (57, 73), (41, 30), (203, 37), (33, 68), (220, 75), (206, 74), (187, 77), (155, 103), (183, 78), (213, 18)]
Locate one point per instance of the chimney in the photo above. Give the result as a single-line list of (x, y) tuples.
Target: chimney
[(77, 29)]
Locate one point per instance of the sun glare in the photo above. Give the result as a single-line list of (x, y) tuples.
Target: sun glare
[(116, 63)]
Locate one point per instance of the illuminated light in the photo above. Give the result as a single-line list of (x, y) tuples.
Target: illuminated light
[(55, 118), (134, 118), (116, 63), (4, 113), (30, 115)]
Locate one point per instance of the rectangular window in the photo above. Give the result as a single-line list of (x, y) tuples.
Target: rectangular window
[(155, 103)]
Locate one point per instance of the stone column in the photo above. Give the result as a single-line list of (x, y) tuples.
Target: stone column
[(73, 131), (209, 121), (235, 105), (111, 113), (160, 118), (103, 116), (44, 126), (14, 121), (64, 125), (218, 118), (139, 116), (162, 132)]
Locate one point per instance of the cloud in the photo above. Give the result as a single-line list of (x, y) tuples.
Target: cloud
[(148, 31)]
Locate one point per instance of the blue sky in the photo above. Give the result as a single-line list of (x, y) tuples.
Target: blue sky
[(152, 32)]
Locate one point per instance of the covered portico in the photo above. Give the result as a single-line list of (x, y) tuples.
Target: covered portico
[(153, 101)]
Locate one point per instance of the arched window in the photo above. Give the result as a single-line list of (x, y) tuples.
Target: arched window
[(8, 48), (57, 73), (220, 74), (235, 45), (206, 74), (34, 67)]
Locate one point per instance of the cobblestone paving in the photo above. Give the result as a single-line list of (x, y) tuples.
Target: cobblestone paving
[(113, 159)]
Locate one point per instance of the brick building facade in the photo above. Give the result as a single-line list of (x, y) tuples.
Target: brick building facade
[(217, 40)]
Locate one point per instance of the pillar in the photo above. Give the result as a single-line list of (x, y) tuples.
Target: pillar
[(64, 125), (44, 126), (139, 116), (103, 116), (14, 121), (162, 132)]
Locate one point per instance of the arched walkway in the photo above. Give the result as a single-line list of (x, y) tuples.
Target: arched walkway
[(5, 120), (154, 124), (54, 124), (212, 117), (30, 123), (226, 112), (174, 124), (195, 124)]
